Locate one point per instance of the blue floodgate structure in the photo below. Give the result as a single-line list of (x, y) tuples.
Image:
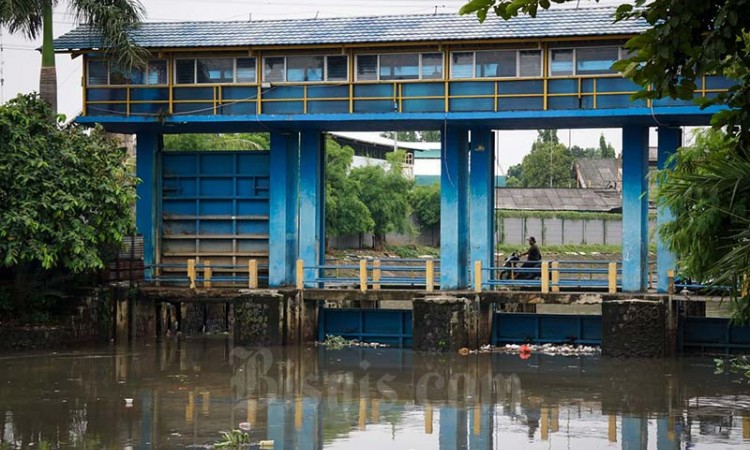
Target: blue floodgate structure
[(300, 78)]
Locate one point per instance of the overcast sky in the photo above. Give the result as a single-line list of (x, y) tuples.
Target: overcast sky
[(20, 61)]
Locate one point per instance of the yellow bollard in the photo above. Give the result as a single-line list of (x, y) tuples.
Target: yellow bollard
[(545, 277), (545, 423), (429, 275), (252, 274), (477, 276), (477, 420), (207, 273), (376, 275), (428, 419), (670, 281), (612, 277), (555, 276), (300, 274), (746, 428), (190, 407), (298, 410), (612, 429), (375, 411), (362, 414), (206, 403), (252, 411), (191, 272), (363, 275)]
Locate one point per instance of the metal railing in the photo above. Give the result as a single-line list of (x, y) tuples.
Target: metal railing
[(372, 274)]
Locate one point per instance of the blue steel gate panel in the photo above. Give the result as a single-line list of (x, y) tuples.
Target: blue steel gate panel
[(712, 334), (392, 327), (215, 206), (517, 328)]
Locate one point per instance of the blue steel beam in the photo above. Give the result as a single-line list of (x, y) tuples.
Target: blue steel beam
[(500, 120), (284, 174), (453, 208), (482, 196), (669, 140), (634, 208), (146, 209), (311, 229)]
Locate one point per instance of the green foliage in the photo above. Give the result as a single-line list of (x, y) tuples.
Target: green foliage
[(414, 136), (66, 194), (549, 164), (425, 201), (568, 215), (345, 211), (740, 364), (606, 150), (414, 251), (203, 142), (386, 194), (708, 193), (335, 342), (235, 439)]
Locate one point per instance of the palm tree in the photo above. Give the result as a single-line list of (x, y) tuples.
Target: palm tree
[(110, 18)]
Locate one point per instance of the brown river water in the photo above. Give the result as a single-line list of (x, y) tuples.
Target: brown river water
[(181, 394)]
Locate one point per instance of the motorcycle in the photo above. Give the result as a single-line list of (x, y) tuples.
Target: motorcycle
[(514, 262)]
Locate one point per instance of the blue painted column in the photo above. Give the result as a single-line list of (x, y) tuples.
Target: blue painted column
[(284, 175), (634, 433), (451, 428), (312, 202), (482, 198), (454, 230), (670, 139), (666, 438), (634, 208), (480, 427), (277, 424), (146, 206)]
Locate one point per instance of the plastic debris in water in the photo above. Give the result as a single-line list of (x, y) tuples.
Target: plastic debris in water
[(245, 426), (128, 402)]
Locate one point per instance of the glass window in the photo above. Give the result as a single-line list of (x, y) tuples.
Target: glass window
[(367, 67), (157, 72), (561, 62), (432, 66), (120, 75), (399, 67), (98, 73), (215, 70), (337, 68), (304, 68), (246, 70), (462, 65), (530, 63), (496, 64), (273, 69), (596, 60), (185, 71)]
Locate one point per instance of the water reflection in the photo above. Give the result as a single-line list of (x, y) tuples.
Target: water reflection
[(306, 398)]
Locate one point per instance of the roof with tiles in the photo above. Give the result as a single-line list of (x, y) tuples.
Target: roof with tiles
[(559, 22), (539, 199)]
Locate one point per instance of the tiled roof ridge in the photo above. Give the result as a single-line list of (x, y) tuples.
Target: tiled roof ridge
[(377, 16)]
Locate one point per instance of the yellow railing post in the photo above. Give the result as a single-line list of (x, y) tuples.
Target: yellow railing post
[(376, 275), (191, 272), (612, 277), (477, 276), (428, 419), (252, 274), (363, 275), (300, 274), (545, 277), (207, 273), (429, 275), (555, 276), (670, 281), (612, 429)]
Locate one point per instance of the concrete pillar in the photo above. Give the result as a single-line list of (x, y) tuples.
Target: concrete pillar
[(312, 202), (482, 198), (634, 208), (670, 139), (284, 169), (454, 231), (634, 328), (147, 207)]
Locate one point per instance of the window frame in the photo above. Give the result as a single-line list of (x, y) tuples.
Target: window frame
[(620, 55), (517, 75), (325, 57), (173, 75), (419, 66), (108, 64)]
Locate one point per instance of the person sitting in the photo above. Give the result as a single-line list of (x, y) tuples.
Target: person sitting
[(533, 259)]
